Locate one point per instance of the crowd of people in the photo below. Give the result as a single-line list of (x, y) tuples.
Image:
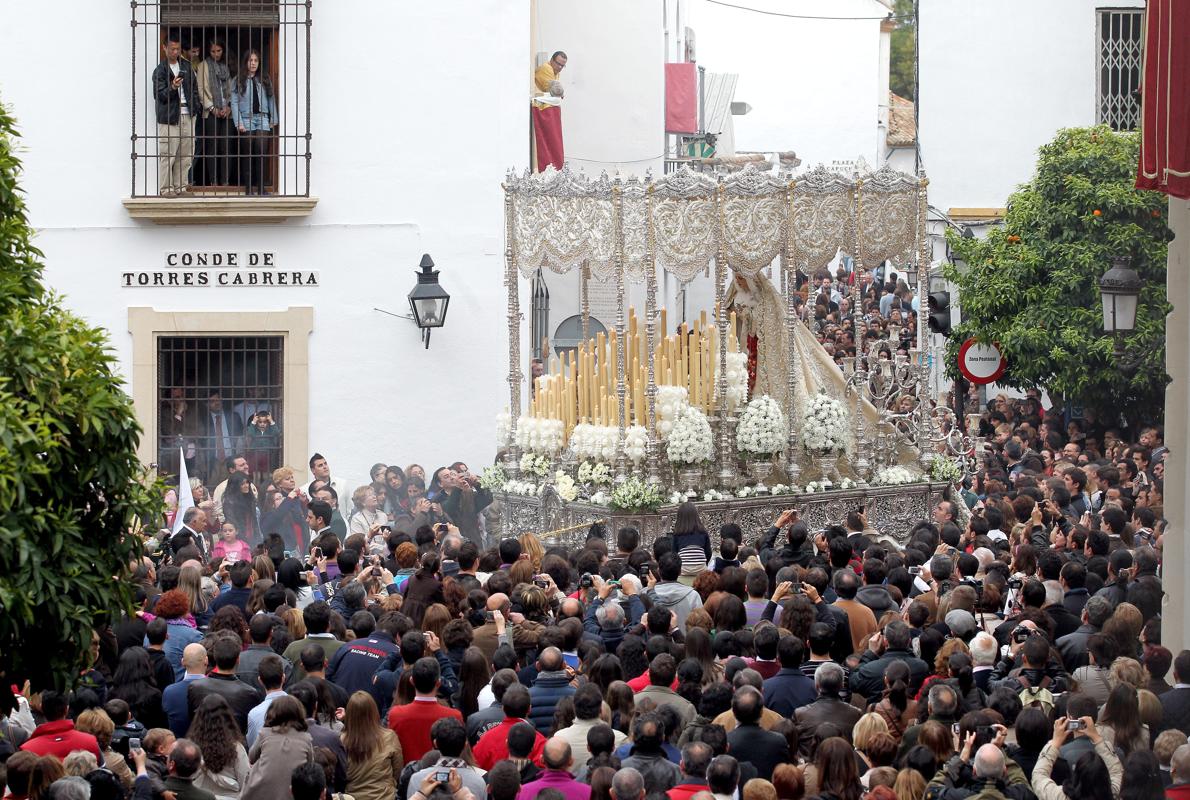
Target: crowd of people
[(292, 645)]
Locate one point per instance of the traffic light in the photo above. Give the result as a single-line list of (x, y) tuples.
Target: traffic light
[(940, 313)]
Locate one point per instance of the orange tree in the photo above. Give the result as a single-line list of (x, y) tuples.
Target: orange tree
[(70, 482), (1032, 284)]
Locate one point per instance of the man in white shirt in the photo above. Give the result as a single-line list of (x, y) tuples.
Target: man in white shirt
[(271, 674), (321, 471)]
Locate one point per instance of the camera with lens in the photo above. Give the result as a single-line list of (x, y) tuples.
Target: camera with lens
[(586, 581), (1015, 583), (1021, 634)]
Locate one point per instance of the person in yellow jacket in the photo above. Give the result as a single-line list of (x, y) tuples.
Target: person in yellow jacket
[(545, 78)]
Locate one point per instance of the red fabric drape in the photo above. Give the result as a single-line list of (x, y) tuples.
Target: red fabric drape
[(547, 134), (1165, 91), (681, 98)]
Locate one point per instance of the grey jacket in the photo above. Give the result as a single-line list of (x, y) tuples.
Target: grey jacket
[(676, 597)]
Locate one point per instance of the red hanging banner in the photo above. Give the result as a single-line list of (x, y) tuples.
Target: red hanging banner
[(681, 98), (1165, 100)]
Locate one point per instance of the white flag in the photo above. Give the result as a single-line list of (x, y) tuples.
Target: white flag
[(185, 495)]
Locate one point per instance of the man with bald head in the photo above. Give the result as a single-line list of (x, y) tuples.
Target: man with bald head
[(552, 684), (173, 698), (499, 619), (628, 784), (558, 760)]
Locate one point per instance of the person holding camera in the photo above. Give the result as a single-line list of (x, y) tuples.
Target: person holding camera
[(609, 619), (980, 769), (1095, 775)]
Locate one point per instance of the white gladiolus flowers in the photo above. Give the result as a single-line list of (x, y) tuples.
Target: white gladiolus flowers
[(595, 442), (737, 380), (824, 427), (895, 476), (670, 401), (534, 435), (636, 439), (503, 429), (762, 430), (636, 495), (690, 440)]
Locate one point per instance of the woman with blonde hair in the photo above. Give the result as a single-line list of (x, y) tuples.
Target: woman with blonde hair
[(865, 728), (374, 758), (942, 665), (532, 549), (910, 785), (759, 789), (79, 763), (263, 567), (190, 582), (1131, 672)]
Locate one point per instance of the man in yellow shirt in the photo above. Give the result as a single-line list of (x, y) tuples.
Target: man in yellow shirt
[(547, 117)]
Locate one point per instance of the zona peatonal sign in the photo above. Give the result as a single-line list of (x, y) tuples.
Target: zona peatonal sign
[(188, 269), (981, 363)]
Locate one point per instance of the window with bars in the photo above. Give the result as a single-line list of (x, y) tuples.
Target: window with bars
[(219, 397), (1121, 51), (220, 97)]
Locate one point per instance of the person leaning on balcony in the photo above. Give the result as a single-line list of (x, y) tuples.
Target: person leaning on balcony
[(175, 90), (254, 111), (545, 78)]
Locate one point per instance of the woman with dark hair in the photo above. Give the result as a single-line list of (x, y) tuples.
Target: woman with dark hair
[(1119, 721), (254, 112), (240, 509), (473, 677), (896, 707), (423, 589), (289, 575), (622, 702), (698, 647), (283, 745), (133, 683), (225, 767), (230, 618), (1093, 776), (835, 767), (692, 543), (730, 614), (396, 501), (1142, 777), (690, 680), (633, 659), (961, 669), (600, 779), (374, 758), (605, 671)]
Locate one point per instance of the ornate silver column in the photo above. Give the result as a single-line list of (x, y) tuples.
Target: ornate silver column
[(621, 465), (793, 444), (513, 459), (924, 417), (653, 448), (727, 472), (584, 280)]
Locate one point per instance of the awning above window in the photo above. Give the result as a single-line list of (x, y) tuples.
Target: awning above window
[(221, 12)]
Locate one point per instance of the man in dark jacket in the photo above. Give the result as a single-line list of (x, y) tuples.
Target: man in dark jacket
[(828, 682), (175, 90), (648, 757), (355, 663), (873, 594), (793, 550), (223, 681), (551, 685), (1073, 646), (764, 749), (1175, 704), (883, 649), (789, 689), (610, 621)]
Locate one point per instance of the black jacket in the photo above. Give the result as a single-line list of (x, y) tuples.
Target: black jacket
[(1175, 710), (168, 102), (240, 696), (764, 749), (868, 680)]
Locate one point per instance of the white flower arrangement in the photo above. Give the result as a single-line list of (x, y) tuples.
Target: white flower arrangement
[(895, 476), (595, 442), (636, 495), (690, 440), (814, 487), (710, 495), (669, 403), (737, 380), (847, 483), (536, 466), (565, 486), (503, 429), (522, 488), (538, 435), (601, 498), (825, 425), (761, 431), (781, 488), (636, 440), (746, 491), (677, 498), (943, 470), (594, 474), (493, 478)]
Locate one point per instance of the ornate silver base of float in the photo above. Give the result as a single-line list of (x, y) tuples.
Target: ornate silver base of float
[(892, 510)]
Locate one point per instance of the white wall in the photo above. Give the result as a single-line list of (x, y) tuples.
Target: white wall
[(997, 81), (412, 165), (812, 84), (613, 114)]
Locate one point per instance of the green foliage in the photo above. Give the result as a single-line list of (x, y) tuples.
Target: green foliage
[(902, 47), (1033, 284), (70, 482)]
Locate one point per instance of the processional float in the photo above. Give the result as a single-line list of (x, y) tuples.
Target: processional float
[(604, 402)]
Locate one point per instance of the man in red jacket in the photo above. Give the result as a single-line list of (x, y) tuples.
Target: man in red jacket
[(696, 757), (57, 737), (493, 745), (412, 722)]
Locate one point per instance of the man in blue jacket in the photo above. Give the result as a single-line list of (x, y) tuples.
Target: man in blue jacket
[(173, 698), (353, 666), (551, 685)]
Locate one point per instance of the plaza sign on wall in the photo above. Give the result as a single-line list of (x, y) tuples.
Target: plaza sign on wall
[(981, 363), (188, 269)]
